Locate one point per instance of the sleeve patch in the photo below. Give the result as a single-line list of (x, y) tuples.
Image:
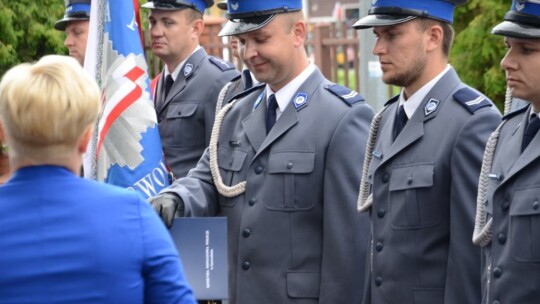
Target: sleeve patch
[(221, 64), (471, 99), (347, 95)]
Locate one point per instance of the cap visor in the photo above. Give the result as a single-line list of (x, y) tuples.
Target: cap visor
[(241, 26), (516, 30), (380, 20), (62, 23)]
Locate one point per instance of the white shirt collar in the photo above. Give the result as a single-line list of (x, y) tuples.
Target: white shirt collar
[(179, 67), (285, 94), (416, 99)]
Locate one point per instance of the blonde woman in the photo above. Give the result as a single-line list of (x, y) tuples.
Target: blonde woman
[(66, 239)]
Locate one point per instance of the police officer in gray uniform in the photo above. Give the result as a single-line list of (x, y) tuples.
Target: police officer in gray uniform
[(186, 93), (423, 161), (75, 23), (283, 166), (508, 214)]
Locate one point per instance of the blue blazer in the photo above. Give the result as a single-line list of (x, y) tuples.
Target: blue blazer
[(64, 239)]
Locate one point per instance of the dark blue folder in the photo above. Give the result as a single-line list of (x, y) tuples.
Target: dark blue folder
[(202, 244)]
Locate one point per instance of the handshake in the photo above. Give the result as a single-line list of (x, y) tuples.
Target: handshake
[(167, 205)]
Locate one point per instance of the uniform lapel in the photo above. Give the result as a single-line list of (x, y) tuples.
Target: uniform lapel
[(512, 150), (286, 121), (254, 123), (529, 155), (289, 117), (187, 71), (386, 132), (158, 103), (414, 129)]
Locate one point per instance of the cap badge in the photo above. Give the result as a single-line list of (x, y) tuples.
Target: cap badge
[(188, 69), (235, 6), (431, 106), (520, 5)]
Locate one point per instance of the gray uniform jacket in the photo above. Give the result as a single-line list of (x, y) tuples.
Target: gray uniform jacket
[(424, 187), (294, 236), (186, 117), (513, 257)]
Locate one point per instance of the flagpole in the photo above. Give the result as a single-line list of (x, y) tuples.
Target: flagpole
[(99, 80)]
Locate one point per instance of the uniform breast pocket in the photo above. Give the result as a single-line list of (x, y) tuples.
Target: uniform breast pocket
[(181, 127), (524, 231), (411, 203), (231, 162), (291, 181)]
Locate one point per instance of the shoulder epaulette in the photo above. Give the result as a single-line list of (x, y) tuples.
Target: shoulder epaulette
[(515, 112), (347, 95), (247, 92), (392, 100), (221, 64), (471, 100)]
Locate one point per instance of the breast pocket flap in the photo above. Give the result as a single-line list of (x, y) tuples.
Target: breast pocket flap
[(179, 110), (230, 159), (526, 202), (414, 176), (291, 162)]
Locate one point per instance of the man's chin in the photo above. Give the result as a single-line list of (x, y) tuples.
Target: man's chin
[(78, 58)]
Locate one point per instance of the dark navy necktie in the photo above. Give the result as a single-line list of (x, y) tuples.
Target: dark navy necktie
[(530, 132), (271, 113), (401, 120), (169, 81)]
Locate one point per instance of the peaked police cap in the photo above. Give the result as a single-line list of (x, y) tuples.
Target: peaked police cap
[(390, 12), (250, 15), (75, 10), (522, 21)]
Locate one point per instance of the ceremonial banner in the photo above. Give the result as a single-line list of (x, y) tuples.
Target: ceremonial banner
[(202, 244), (126, 148)]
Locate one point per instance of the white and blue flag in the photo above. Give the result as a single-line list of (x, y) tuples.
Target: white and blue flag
[(126, 148)]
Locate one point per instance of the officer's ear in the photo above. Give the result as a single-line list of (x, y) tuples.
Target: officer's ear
[(299, 31), (198, 27), (435, 36)]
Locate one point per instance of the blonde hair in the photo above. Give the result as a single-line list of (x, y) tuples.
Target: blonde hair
[(46, 107)]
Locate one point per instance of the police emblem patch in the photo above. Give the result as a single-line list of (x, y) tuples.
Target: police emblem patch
[(431, 106), (188, 69), (235, 6), (300, 100)]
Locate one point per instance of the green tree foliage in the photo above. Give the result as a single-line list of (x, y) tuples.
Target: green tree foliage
[(27, 32), (476, 53)]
